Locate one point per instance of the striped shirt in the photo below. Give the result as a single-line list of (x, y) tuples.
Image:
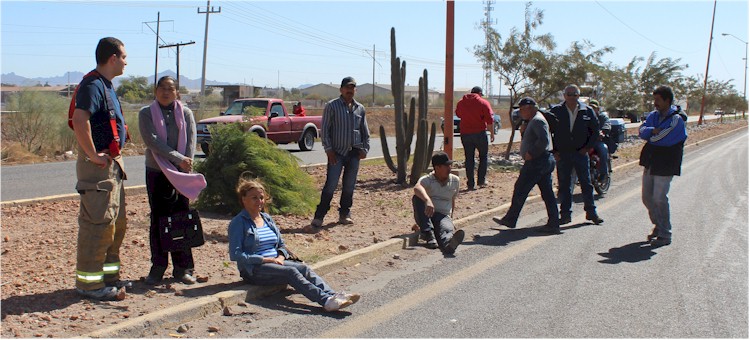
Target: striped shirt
[(344, 130), (267, 240)]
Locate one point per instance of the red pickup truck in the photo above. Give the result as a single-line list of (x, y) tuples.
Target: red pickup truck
[(269, 119)]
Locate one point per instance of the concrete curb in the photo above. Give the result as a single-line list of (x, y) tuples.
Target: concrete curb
[(145, 325)]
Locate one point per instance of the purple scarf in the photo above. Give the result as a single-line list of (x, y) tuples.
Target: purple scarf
[(188, 184)]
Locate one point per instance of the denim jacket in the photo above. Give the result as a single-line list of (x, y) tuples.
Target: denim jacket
[(243, 242)]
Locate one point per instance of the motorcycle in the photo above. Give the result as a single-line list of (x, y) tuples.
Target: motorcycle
[(600, 183)]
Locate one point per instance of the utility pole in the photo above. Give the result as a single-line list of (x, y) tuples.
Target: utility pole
[(744, 89), (209, 10), (449, 42), (178, 45), (156, 56), (373, 72), (705, 79), (486, 26)]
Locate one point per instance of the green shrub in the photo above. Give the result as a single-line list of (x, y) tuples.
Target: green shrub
[(234, 152)]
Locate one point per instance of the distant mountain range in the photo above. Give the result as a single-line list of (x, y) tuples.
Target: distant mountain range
[(75, 77)]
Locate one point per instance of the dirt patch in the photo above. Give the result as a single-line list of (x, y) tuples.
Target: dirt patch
[(38, 245)]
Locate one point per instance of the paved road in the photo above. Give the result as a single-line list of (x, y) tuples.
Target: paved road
[(590, 282), (50, 179)]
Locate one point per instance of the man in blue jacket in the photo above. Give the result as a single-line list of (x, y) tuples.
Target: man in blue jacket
[(576, 132), (661, 158)]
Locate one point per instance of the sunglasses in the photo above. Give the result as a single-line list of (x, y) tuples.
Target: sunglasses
[(572, 94)]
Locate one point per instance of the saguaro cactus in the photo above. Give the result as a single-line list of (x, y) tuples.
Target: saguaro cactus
[(405, 124)]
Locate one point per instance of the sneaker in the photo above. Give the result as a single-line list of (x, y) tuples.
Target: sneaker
[(336, 302), (565, 220), (453, 243), (503, 221), (103, 294), (120, 284), (661, 241), (345, 220), (594, 218), (654, 234), (483, 185), (316, 223), (548, 229), (188, 279), (353, 297), (429, 239)]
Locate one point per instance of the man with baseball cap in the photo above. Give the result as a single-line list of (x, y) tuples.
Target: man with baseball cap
[(433, 202), (346, 139), (476, 118), (536, 150)]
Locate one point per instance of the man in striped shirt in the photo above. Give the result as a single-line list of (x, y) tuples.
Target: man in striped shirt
[(346, 140)]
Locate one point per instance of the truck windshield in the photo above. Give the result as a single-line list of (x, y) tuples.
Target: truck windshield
[(248, 107)]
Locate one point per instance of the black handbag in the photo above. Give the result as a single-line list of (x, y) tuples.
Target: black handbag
[(180, 231)]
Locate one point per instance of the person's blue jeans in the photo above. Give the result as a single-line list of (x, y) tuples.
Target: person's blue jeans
[(296, 274), (654, 196), (349, 164), (472, 143), (603, 152), (537, 172), (568, 162), (439, 224)]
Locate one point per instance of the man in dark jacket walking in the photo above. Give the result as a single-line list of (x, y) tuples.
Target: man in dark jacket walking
[(661, 158), (476, 119), (576, 133)]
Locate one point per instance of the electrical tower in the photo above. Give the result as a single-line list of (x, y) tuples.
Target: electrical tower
[(486, 24)]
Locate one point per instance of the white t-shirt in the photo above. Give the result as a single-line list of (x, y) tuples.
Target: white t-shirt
[(441, 194)]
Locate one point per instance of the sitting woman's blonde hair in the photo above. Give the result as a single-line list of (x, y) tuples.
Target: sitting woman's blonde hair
[(246, 184)]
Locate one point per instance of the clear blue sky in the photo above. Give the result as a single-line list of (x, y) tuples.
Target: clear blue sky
[(309, 42)]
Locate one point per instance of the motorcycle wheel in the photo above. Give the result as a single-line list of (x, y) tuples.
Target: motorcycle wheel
[(600, 186)]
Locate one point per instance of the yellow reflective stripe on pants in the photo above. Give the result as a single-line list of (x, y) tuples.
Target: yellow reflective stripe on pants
[(90, 277), (111, 268)]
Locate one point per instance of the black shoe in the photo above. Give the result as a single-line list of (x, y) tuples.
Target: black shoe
[(594, 218), (429, 239), (548, 229), (152, 280), (661, 241), (188, 279), (503, 221), (654, 234), (458, 237), (564, 220), (120, 284)]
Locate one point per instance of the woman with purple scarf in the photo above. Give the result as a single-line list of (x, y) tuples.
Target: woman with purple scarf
[(168, 130)]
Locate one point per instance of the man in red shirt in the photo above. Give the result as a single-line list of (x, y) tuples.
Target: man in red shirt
[(299, 110), (476, 118)]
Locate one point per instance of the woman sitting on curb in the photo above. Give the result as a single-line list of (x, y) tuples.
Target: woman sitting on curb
[(262, 259)]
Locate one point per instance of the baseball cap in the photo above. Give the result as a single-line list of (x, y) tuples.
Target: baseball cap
[(348, 80), (594, 103), (526, 101), (440, 158), (477, 89)]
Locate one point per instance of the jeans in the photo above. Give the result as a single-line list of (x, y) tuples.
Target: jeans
[(568, 162), (350, 166), (603, 152), (163, 200), (296, 274), (471, 143), (444, 231), (537, 171), (654, 196)]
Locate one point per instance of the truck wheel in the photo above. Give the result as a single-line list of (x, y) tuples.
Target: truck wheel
[(308, 140), (205, 146)]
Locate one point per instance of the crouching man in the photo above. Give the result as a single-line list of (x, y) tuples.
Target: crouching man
[(433, 202)]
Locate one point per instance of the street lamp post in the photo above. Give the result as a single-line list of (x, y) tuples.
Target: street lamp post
[(744, 89)]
